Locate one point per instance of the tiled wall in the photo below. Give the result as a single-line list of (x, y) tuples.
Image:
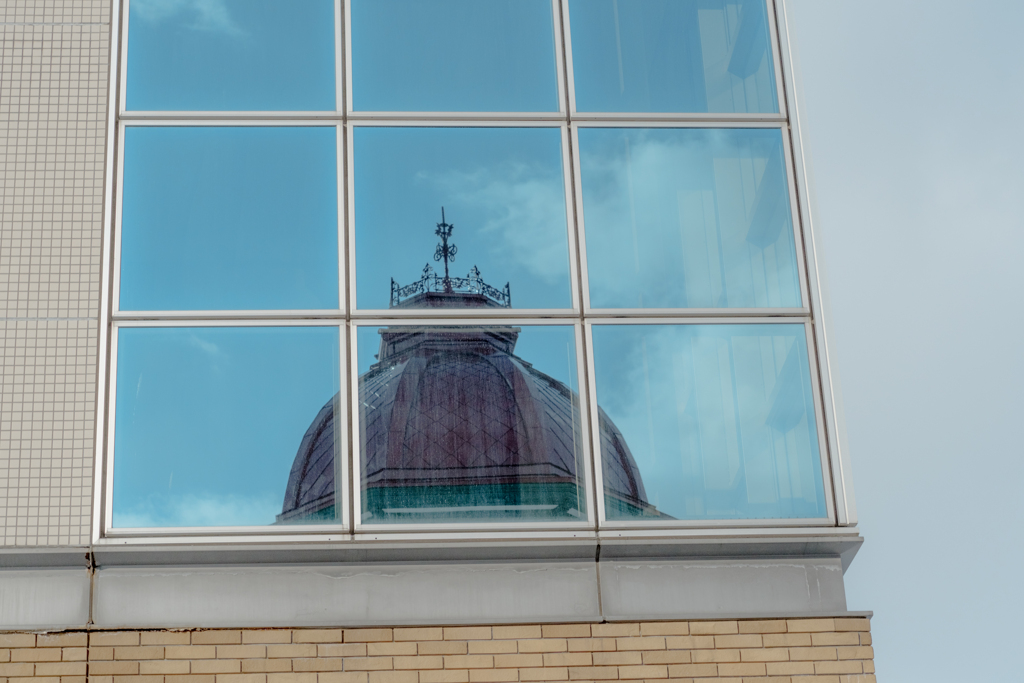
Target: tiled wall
[(53, 89), (778, 650)]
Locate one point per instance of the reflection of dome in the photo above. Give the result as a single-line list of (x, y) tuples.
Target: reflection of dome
[(454, 424)]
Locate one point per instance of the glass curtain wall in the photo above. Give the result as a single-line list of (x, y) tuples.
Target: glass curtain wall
[(455, 226)]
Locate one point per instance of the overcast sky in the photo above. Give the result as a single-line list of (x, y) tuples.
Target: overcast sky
[(913, 120)]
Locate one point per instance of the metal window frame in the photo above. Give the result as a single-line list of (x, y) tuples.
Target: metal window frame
[(825, 463), (361, 528), (813, 314), (342, 486)]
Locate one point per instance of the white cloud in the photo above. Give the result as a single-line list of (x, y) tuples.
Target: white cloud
[(201, 15), (207, 347), (201, 510)]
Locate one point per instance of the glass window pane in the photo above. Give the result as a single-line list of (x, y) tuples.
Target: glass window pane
[(231, 55), (212, 424), (502, 188), (672, 56), (453, 55), (719, 418), (470, 424), (687, 218), (217, 218)]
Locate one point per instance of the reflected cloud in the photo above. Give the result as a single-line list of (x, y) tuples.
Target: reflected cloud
[(202, 15), (201, 510), (524, 208), (203, 345)]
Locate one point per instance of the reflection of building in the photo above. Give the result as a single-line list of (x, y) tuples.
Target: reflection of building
[(455, 425)]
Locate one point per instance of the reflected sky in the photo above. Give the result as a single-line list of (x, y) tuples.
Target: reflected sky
[(232, 55), (687, 217), (502, 188), (210, 419), (672, 56), (720, 418), (229, 218), (453, 55)]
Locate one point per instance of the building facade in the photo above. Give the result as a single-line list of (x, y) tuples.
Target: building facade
[(245, 433)]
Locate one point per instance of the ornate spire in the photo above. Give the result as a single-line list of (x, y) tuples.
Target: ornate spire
[(444, 250)]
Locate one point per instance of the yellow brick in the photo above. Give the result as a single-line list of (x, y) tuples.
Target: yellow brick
[(113, 668), (847, 667), (642, 643), (506, 632), (266, 636), (619, 658), (869, 667), (856, 652), (5, 655), (291, 678), (393, 677), (493, 675), (565, 630), (854, 678), (190, 652), (190, 678), (147, 652), (542, 645), (614, 630), (715, 655), (113, 638), (766, 626), (591, 644), (790, 668), (745, 640), (165, 638), (776, 654), (646, 672), (362, 635), (74, 679), (690, 643), (241, 651), (742, 669), (448, 675), (164, 666), (18, 669), (810, 625), (330, 635), (865, 638), (216, 666), (98, 679), (50, 654), (384, 649), (337, 664), (342, 677), (544, 674), (467, 633), (516, 661), (17, 640), (70, 639), (665, 628), (454, 647), (692, 670), (418, 662), (339, 649), (60, 669), (263, 666), (713, 628), (412, 634), (368, 663), (101, 653), (217, 638), (493, 647), (803, 654), (469, 661), (72, 654), (831, 638), (241, 678), (666, 657), (596, 673), (568, 659), (854, 624), (786, 639), (301, 650), (128, 679)]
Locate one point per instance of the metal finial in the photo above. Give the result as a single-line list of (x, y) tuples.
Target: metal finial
[(445, 251)]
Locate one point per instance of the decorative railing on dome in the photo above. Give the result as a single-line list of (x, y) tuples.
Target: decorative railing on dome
[(433, 283)]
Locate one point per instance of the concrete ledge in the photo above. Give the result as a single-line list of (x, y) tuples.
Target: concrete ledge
[(43, 598)]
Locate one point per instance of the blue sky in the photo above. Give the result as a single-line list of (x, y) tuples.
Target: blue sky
[(913, 125)]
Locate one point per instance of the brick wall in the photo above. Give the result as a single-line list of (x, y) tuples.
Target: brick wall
[(778, 650)]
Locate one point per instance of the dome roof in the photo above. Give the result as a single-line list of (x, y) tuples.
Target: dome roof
[(453, 424)]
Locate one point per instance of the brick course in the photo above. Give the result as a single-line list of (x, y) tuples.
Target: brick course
[(776, 651)]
